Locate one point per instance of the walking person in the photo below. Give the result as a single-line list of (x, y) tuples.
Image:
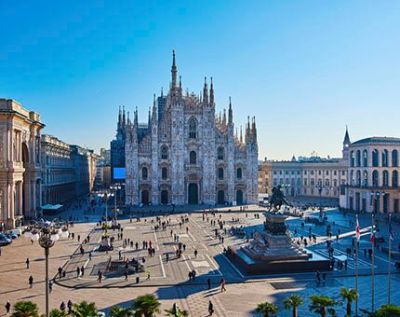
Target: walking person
[(82, 270), (62, 306), (8, 307), (78, 271), (69, 305), (30, 281), (50, 286), (27, 263), (222, 284), (210, 308)]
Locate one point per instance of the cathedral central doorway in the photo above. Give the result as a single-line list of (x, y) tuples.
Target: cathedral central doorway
[(193, 194), (145, 197), (221, 197), (164, 197), (239, 197)]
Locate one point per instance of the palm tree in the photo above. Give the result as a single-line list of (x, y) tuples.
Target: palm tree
[(267, 309), (57, 313), (146, 305), (388, 311), (84, 309), (322, 305), (349, 295), (25, 309), (175, 311), (292, 302), (118, 311)]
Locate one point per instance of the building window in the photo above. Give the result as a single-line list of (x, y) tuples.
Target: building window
[(385, 178), (192, 157), (192, 128), (395, 158), (164, 152), (395, 179), (239, 173), (375, 178), (164, 173), (352, 159), (220, 153), (220, 173), (375, 158), (365, 178), (144, 173), (365, 158), (385, 158), (358, 178), (358, 158)]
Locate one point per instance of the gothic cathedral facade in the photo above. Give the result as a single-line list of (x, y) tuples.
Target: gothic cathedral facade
[(187, 155)]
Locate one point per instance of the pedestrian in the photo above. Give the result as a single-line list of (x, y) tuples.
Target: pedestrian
[(82, 270), (8, 307), (209, 283), (30, 281), (50, 286), (99, 276), (79, 238), (62, 306), (148, 275), (78, 271), (27, 263), (69, 305), (195, 253), (222, 284), (120, 255), (210, 308), (90, 255), (126, 275)]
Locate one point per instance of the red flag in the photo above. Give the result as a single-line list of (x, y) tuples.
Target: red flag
[(372, 238), (358, 233)]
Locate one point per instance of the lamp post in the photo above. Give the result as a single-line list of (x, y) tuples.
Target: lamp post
[(106, 195), (115, 188), (46, 234)]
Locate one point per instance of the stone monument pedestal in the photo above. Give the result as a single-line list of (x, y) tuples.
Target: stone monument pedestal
[(272, 251)]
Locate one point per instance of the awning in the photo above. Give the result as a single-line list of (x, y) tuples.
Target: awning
[(52, 207)]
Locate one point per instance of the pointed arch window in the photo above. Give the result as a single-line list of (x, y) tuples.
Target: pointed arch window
[(192, 157), (164, 173), (144, 173), (395, 158), (220, 153), (164, 152), (192, 128), (239, 173)]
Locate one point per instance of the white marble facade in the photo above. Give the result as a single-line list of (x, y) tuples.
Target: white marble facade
[(184, 154)]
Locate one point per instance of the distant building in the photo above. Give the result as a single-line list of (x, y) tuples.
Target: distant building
[(58, 171), (104, 157), (311, 177), (20, 176), (84, 163), (117, 152), (373, 179)]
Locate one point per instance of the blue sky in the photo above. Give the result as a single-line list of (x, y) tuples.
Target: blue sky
[(305, 69)]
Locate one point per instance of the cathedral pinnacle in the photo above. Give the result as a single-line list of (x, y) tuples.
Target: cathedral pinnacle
[(230, 112), (205, 91), (211, 92), (173, 70)]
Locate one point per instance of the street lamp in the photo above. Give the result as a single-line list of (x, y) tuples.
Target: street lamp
[(115, 188), (106, 195), (47, 234)]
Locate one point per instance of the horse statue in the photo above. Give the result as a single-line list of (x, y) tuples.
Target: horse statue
[(277, 199)]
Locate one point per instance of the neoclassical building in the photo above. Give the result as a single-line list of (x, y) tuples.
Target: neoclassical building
[(184, 154), (309, 177), (20, 175), (373, 179)]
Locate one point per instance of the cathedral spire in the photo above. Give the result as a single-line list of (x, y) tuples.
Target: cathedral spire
[(173, 71), (154, 115), (180, 85), (211, 92), (205, 91), (230, 113), (241, 135), (123, 117), (224, 118), (119, 118), (136, 117), (149, 119), (128, 120)]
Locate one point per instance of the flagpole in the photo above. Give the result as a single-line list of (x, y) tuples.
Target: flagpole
[(357, 246), (373, 266), (389, 257)]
